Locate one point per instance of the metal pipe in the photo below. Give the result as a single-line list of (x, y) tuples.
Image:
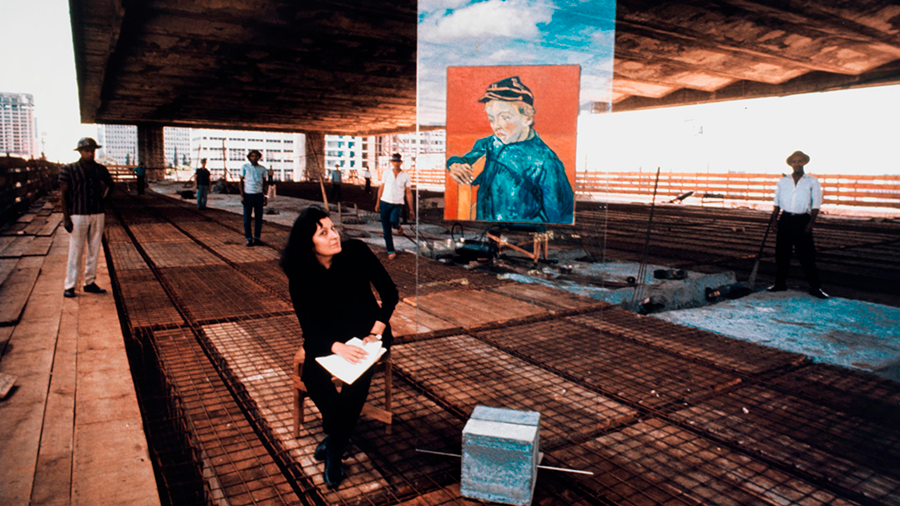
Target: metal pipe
[(550, 468)]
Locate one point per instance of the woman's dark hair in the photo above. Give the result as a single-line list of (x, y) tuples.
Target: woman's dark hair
[(299, 254)]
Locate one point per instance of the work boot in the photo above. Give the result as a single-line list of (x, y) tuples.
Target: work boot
[(818, 293), (93, 288), (776, 288), (69, 293), (249, 243)]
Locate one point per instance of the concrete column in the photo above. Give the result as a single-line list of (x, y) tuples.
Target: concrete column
[(315, 156), (152, 151), (300, 156)]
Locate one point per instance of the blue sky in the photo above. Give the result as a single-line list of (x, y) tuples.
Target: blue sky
[(513, 32)]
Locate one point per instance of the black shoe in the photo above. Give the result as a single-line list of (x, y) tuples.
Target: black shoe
[(69, 293), (818, 293), (321, 450), (257, 242), (249, 243), (93, 288), (776, 288), (334, 468)]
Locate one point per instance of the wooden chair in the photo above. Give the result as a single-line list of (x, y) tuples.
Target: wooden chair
[(382, 415)]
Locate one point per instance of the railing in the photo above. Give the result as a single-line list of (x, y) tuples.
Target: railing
[(122, 173), (22, 182), (125, 173), (838, 189)]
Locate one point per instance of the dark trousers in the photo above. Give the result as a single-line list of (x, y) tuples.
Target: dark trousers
[(336, 191), (792, 235), (368, 185), (340, 410), (390, 217), (202, 191), (141, 183), (253, 203)]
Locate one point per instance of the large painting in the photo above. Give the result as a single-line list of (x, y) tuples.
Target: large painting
[(511, 138)]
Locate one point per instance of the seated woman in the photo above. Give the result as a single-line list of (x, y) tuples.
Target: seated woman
[(329, 285)]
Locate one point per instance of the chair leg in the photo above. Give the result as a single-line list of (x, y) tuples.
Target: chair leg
[(298, 412), (387, 392)]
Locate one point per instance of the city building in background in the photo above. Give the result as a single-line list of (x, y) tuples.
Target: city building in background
[(283, 152), (119, 144), (17, 125), (177, 142), (352, 154), (424, 156)]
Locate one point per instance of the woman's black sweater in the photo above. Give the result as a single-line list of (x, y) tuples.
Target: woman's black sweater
[(337, 304)]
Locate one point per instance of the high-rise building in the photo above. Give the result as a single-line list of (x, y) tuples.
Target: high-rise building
[(177, 142), (17, 125), (282, 152), (352, 154), (424, 151), (119, 144), (411, 145)]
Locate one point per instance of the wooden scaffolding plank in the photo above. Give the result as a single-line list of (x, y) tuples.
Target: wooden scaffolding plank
[(7, 265), (50, 225), (36, 225), (6, 241), (53, 472), (18, 247), (15, 290), (40, 246)]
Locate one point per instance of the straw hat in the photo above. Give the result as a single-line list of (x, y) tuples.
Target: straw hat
[(801, 154)]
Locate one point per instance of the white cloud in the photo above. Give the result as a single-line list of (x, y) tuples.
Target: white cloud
[(604, 38), (514, 19), (503, 55)]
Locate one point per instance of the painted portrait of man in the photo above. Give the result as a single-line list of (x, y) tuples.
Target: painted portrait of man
[(515, 175)]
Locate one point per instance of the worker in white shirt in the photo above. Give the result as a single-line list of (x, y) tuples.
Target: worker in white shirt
[(798, 198), (392, 195)]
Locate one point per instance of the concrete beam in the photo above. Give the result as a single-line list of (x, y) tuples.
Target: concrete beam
[(151, 151)]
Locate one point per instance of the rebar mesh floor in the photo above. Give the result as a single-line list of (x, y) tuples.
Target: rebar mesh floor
[(662, 414)]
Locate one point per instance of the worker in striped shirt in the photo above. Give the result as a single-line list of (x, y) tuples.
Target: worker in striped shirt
[(82, 187)]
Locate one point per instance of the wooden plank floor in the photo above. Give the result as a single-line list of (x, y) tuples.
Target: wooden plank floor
[(70, 429)]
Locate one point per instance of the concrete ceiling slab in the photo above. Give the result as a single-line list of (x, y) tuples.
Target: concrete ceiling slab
[(350, 67)]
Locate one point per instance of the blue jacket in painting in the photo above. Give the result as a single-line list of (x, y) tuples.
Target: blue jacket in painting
[(521, 182)]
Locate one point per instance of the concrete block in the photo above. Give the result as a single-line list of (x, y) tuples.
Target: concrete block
[(500, 455)]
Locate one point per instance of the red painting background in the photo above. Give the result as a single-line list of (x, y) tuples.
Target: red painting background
[(555, 89)]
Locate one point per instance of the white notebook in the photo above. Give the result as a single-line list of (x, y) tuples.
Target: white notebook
[(340, 368)]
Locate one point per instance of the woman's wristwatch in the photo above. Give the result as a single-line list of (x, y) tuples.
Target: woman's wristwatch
[(377, 336)]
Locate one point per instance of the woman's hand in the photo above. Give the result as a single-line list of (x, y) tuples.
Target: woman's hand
[(352, 354)]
